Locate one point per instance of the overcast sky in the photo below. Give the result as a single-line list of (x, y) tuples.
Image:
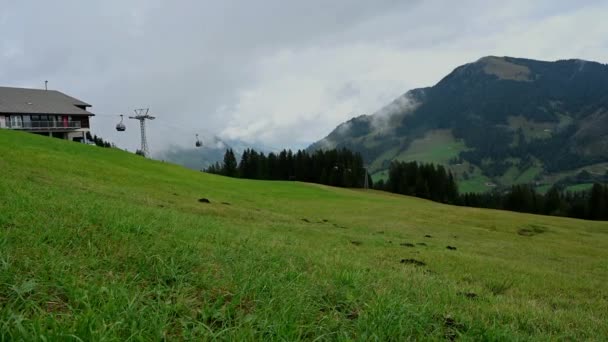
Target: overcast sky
[(281, 73)]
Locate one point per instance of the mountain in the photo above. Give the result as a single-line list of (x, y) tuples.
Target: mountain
[(495, 122)]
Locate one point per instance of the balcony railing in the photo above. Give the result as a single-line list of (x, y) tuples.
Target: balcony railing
[(33, 125)]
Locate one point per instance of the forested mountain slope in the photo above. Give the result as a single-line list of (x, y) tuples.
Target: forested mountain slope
[(499, 120)]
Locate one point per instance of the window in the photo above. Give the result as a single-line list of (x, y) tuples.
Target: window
[(16, 121)]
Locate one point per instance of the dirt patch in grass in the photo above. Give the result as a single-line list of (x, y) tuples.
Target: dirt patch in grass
[(56, 306), (413, 262), (356, 243), (452, 328), (531, 230), (353, 314), (469, 295), (336, 303), (58, 303), (406, 244)]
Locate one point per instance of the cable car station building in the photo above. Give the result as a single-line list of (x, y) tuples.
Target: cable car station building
[(45, 112)]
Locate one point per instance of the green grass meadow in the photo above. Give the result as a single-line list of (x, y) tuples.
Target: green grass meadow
[(438, 146), (99, 244), (579, 187)]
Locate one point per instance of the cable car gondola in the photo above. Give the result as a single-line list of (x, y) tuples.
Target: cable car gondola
[(198, 142), (121, 126)]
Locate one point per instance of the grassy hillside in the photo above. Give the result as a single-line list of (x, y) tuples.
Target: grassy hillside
[(101, 244), (437, 146)]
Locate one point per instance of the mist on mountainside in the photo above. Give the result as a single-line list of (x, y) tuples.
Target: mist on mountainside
[(212, 150)]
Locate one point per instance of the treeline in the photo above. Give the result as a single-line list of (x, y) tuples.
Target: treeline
[(337, 167), (98, 140), (590, 205), (343, 168), (438, 184), (421, 180)]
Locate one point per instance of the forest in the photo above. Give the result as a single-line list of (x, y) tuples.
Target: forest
[(435, 183), (337, 167), (343, 168), (428, 181), (591, 204)]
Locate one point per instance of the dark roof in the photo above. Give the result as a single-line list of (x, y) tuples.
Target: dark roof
[(39, 101)]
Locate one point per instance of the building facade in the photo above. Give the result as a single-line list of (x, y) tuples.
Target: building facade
[(45, 112)]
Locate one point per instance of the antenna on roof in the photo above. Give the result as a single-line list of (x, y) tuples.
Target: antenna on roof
[(46, 85)]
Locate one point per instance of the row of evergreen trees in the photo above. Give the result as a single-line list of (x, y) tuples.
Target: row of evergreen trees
[(343, 168), (337, 167), (98, 140), (438, 184), (591, 205), (421, 180)]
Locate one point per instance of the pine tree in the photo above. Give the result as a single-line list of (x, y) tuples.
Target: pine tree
[(230, 166), (553, 202), (451, 189), (244, 165), (597, 203)]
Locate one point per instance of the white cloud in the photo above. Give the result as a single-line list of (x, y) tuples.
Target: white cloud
[(299, 94), (280, 73), (296, 95)]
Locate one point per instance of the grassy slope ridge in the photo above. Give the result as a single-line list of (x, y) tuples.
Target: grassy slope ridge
[(101, 244)]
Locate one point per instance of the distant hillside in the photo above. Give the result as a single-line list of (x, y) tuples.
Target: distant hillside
[(497, 121)]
